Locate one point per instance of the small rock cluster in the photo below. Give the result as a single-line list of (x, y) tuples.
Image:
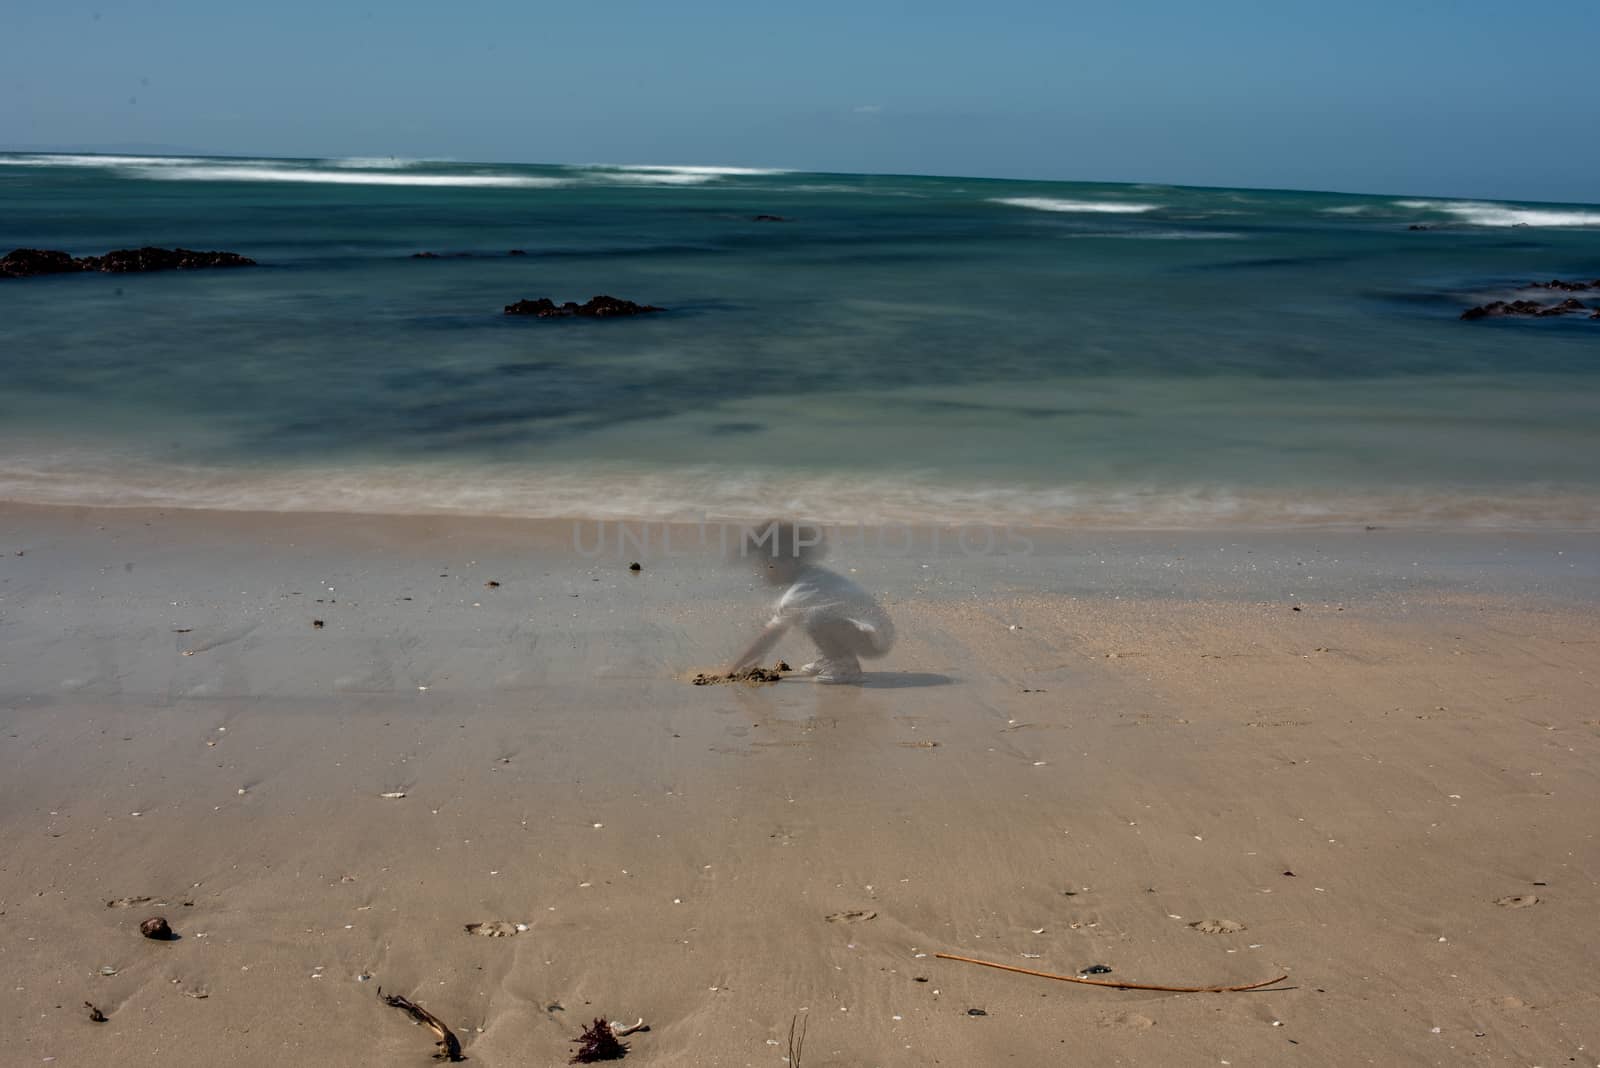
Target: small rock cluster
[(601, 307), (1533, 308)]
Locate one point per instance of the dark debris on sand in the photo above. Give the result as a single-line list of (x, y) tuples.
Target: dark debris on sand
[(448, 1046), (157, 929), (597, 1043), (756, 676)]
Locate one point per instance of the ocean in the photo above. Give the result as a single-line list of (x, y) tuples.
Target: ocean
[(916, 349)]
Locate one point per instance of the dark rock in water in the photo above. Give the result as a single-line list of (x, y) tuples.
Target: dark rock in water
[(28, 262), (1418, 226), (516, 252), (544, 308), (156, 928), (1528, 308), (1565, 287), (768, 218), (130, 260), (601, 307)]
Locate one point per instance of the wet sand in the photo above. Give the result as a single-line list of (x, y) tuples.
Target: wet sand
[(1073, 757)]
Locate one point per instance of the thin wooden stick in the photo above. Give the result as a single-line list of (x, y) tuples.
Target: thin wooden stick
[(1107, 982)]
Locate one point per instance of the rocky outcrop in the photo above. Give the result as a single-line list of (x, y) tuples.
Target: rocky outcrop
[(31, 262), (131, 260), (1534, 309), (1530, 308), (601, 307), (1565, 287), (28, 262)]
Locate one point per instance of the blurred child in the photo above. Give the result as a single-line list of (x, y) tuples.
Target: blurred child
[(839, 616)]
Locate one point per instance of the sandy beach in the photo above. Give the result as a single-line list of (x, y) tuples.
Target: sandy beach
[(1371, 757)]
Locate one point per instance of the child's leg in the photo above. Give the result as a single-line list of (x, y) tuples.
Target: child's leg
[(838, 642)]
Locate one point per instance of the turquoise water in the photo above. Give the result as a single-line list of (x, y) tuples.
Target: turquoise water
[(899, 348)]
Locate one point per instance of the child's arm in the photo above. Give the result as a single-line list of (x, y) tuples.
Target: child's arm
[(760, 647)]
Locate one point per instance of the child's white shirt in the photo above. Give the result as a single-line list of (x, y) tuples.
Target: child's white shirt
[(819, 596)]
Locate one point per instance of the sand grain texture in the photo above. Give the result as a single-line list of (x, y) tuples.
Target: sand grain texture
[(1419, 746)]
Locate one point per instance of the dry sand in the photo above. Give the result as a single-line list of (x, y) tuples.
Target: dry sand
[(1072, 758)]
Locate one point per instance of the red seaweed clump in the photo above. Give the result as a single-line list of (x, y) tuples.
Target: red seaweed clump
[(597, 1043)]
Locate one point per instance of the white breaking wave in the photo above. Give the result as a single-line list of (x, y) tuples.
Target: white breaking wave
[(376, 163), (1112, 207), (665, 174), (343, 177), (1482, 214), (1163, 235), (67, 160), (715, 172), (650, 178), (1347, 209)]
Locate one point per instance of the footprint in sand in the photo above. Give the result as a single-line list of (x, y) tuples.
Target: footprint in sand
[(125, 902), (496, 928), (1217, 926), (853, 916), (1516, 901), (1132, 1021)]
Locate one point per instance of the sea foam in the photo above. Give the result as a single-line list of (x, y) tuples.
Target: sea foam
[(664, 174), (619, 492), (343, 177), (70, 160), (715, 172), (1484, 214), (1112, 207), (376, 163)]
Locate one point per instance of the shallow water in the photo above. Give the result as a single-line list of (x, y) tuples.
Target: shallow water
[(899, 348)]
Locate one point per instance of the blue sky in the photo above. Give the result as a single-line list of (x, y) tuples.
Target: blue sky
[(1465, 98)]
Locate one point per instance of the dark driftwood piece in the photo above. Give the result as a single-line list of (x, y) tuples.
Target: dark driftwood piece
[(449, 1045)]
